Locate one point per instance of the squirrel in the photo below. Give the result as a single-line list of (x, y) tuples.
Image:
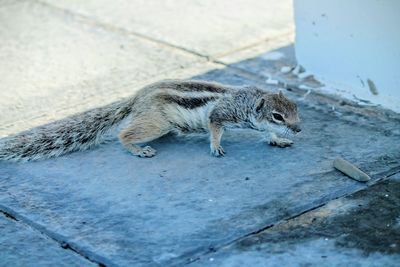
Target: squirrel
[(170, 106)]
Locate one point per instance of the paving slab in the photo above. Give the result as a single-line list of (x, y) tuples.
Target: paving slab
[(53, 65), (362, 229), (211, 28), (183, 203), (21, 245), (266, 60), (269, 51)]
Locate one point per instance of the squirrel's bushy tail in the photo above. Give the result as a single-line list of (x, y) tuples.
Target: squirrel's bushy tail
[(77, 132)]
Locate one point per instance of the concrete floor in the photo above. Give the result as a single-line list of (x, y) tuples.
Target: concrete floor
[(258, 206)]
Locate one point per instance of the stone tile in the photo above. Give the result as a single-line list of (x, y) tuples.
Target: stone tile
[(261, 51), (362, 229), (207, 27), (318, 252), (53, 65), (184, 203), (268, 63), (22, 246)]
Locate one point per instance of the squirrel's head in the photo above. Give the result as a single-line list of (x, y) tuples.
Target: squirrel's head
[(276, 111)]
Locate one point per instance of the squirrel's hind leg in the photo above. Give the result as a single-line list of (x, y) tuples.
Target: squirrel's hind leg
[(142, 131)]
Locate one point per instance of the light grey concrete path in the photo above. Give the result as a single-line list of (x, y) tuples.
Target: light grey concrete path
[(62, 57), (209, 28), (182, 207)]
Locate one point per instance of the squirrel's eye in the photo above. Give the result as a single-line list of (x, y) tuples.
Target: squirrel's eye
[(277, 116)]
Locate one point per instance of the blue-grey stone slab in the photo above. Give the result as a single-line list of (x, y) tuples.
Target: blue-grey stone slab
[(362, 229), (264, 66), (182, 203), (21, 245), (319, 252)]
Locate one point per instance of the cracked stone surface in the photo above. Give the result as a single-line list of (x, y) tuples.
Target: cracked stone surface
[(183, 207)]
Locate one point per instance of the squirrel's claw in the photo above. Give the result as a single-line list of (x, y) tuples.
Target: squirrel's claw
[(218, 152)]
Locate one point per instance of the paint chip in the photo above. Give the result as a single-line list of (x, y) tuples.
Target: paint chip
[(286, 69), (372, 87)]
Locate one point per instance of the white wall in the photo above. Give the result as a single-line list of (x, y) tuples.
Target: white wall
[(352, 45)]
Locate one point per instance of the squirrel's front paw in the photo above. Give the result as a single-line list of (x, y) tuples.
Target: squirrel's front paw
[(217, 151), (281, 142)]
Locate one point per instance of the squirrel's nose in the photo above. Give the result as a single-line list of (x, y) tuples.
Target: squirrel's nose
[(296, 128)]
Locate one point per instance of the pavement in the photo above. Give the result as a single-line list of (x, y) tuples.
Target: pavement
[(258, 206)]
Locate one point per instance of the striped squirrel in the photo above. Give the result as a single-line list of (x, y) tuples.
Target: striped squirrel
[(171, 106)]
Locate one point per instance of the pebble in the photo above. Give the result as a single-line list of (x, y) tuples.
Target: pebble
[(286, 69), (350, 170), (297, 69), (272, 81)]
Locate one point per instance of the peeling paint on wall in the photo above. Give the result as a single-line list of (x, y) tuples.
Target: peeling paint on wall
[(372, 87), (349, 46)]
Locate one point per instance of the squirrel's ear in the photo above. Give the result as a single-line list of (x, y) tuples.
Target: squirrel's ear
[(260, 104)]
